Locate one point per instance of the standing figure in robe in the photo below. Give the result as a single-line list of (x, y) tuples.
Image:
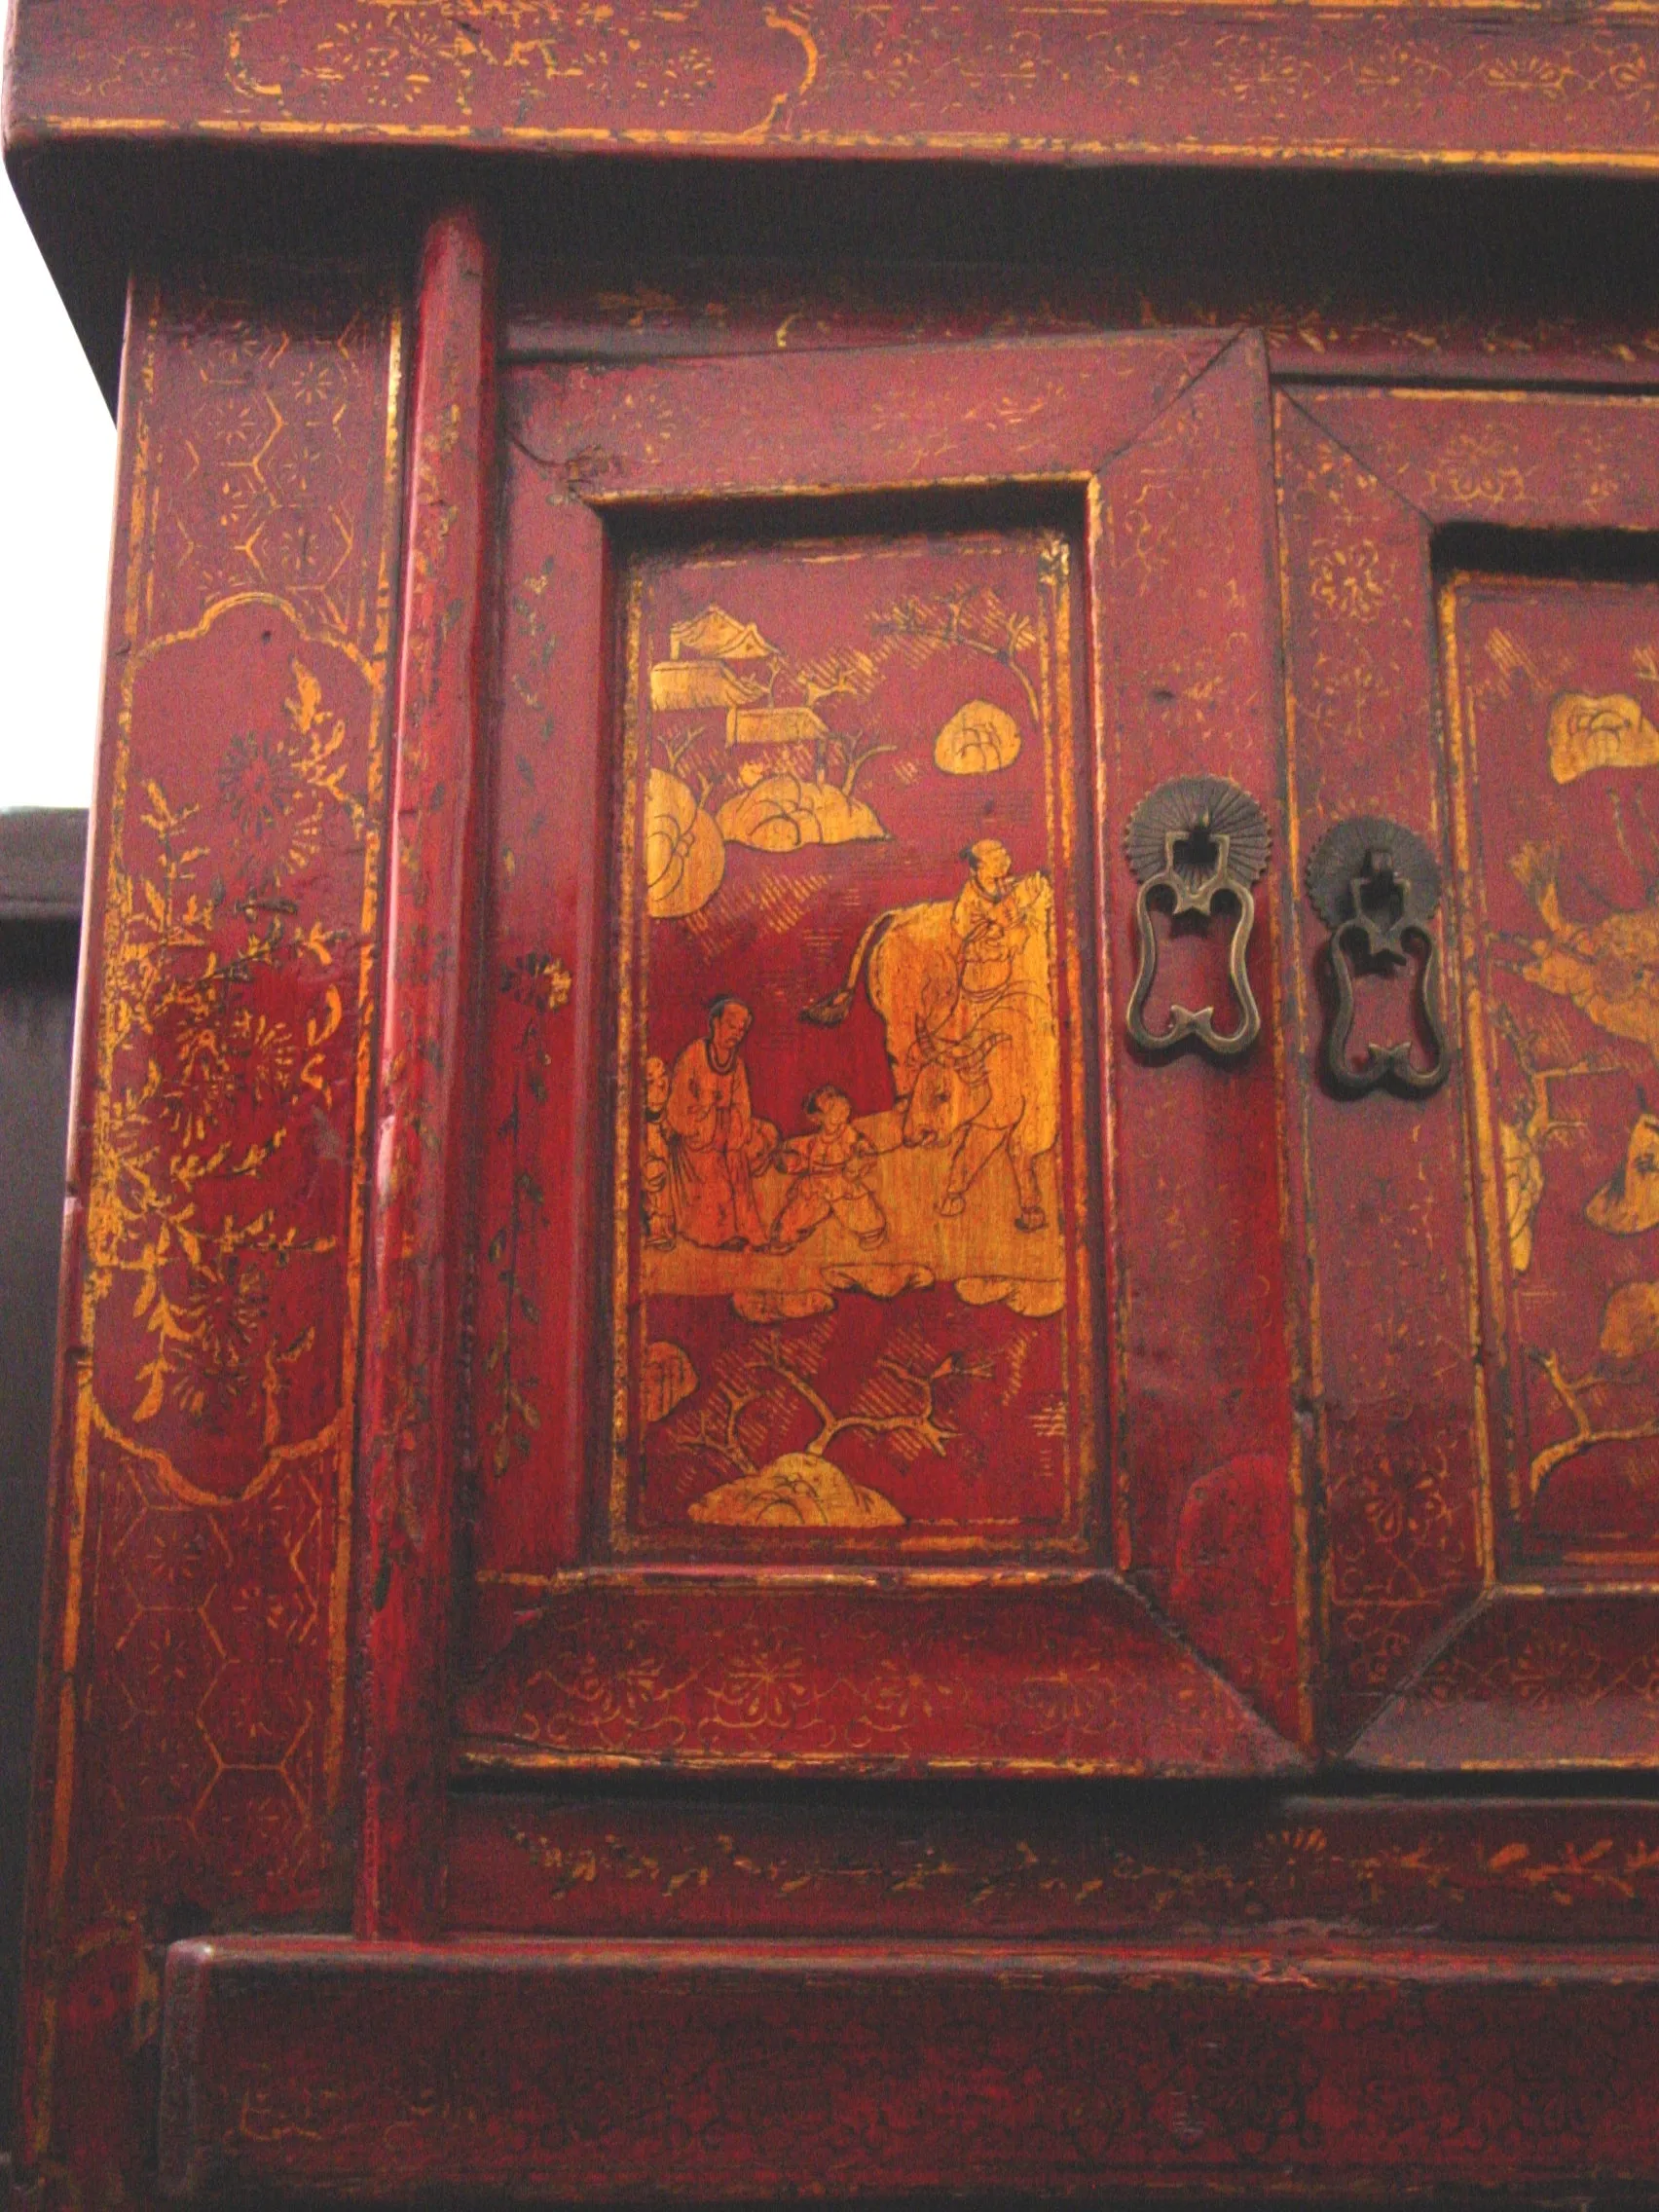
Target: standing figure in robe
[(717, 1144)]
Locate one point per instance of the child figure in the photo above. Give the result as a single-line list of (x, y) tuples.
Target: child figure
[(657, 1197), (829, 1174)]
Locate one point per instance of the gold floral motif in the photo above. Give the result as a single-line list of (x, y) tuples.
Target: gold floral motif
[(1344, 579), (1477, 468), (174, 996)]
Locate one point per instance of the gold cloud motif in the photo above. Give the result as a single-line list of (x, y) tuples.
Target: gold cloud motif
[(781, 813), (878, 1278), (780, 1304), (978, 739), (685, 852), (670, 1379), (1034, 1299), (1607, 730)]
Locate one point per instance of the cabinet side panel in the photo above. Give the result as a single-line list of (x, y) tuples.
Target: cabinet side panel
[(193, 1746)]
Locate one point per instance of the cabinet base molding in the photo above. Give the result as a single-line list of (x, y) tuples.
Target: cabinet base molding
[(715, 2071)]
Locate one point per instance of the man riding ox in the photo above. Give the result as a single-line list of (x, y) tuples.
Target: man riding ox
[(965, 990)]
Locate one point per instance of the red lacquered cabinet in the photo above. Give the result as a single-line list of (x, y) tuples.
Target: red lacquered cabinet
[(859, 1359)]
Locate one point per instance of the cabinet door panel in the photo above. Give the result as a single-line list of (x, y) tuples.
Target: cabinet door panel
[(937, 1349), (1491, 1410)]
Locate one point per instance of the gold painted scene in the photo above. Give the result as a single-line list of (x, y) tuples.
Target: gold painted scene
[(853, 1299), (1559, 746)]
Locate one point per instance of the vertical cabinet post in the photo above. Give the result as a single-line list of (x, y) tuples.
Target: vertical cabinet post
[(414, 1362)]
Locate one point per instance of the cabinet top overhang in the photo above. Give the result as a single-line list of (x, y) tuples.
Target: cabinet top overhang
[(1506, 84), (118, 113)]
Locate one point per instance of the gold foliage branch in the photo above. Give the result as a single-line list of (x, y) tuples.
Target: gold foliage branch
[(716, 1428), (966, 619), (187, 1050)]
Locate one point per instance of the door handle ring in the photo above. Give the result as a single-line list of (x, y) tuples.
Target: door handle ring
[(1375, 886), (1191, 841)]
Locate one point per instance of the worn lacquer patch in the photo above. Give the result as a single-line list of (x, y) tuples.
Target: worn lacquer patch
[(852, 1299)]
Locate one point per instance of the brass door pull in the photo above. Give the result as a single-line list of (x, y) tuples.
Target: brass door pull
[(1190, 843), (1375, 886)]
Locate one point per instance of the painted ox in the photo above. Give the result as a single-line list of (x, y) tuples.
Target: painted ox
[(971, 1033)]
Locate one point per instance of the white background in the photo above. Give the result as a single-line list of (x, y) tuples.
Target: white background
[(57, 494)]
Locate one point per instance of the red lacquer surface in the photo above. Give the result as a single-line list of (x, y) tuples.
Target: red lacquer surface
[(1203, 1314), (1389, 1234), (1132, 1865), (1033, 1673), (758, 1976), (1326, 304), (890, 825), (579, 435), (1556, 751)]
